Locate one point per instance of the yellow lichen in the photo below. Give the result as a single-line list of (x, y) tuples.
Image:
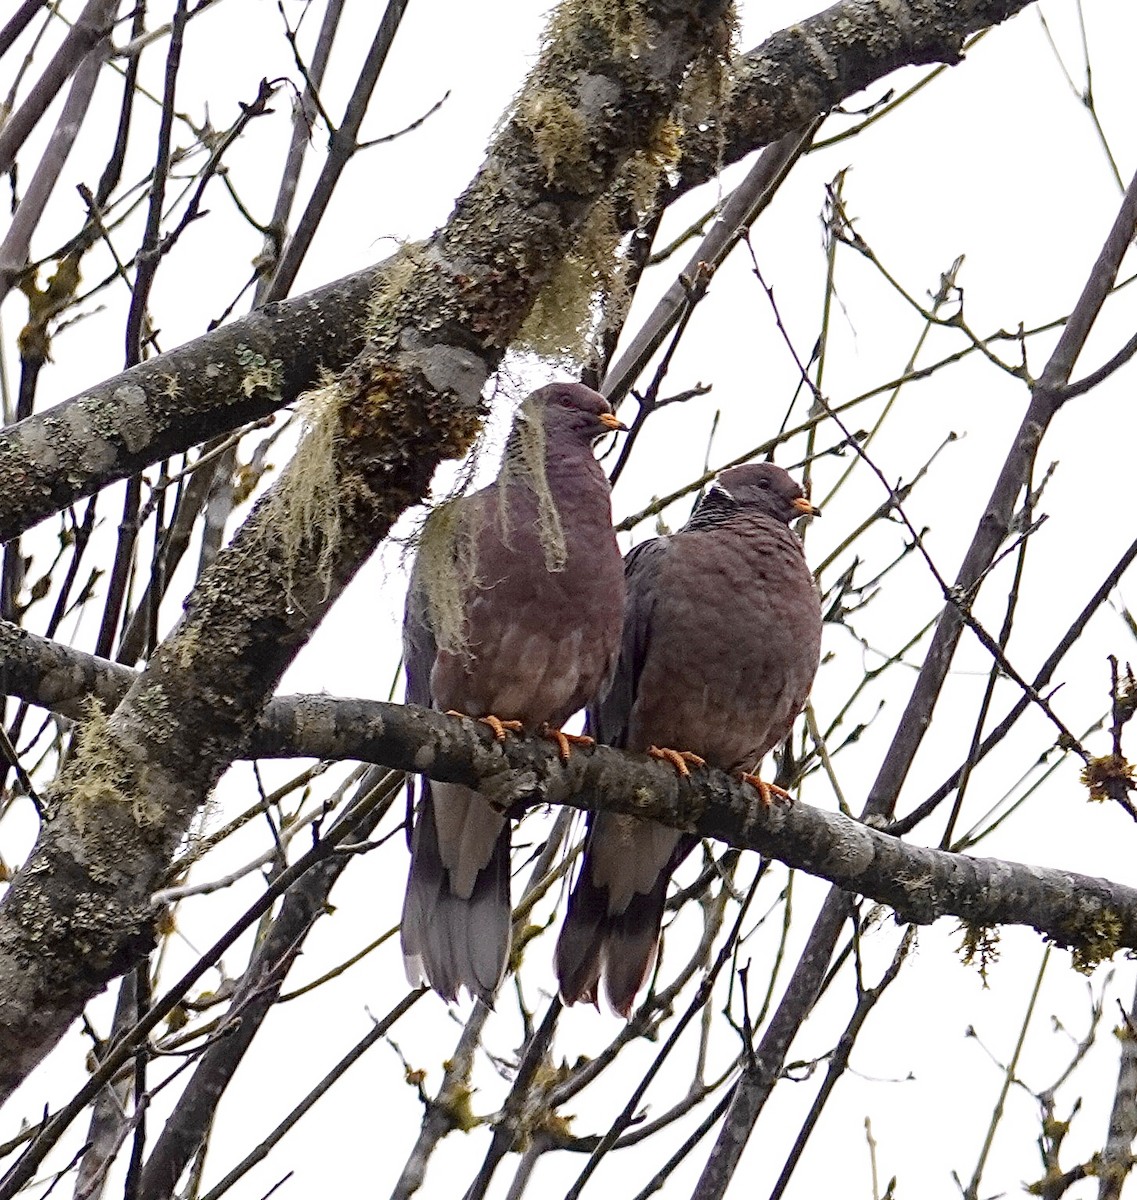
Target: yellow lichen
[(706, 93), (446, 567), (521, 938), (584, 294), (305, 505), (99, 777), (455, 1102), (391, 284), (525, 466), (1097, 942), (980, 947), (445, 570), (587, 295), (558, 130)]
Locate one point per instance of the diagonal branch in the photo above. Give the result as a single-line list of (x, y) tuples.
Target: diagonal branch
[(90, 27), (1047, 397)]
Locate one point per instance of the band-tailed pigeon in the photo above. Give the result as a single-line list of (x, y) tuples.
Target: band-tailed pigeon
[(722, 633), (513, 615)]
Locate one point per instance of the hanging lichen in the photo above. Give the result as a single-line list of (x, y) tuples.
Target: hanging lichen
[(706, 94), (305, 507), (101, 778), (587, 293), (525, 466), (446, 544), (446, 570)]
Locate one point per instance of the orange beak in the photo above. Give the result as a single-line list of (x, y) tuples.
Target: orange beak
[(805, 508), (611, 421)]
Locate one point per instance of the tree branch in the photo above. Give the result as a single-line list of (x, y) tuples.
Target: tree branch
[(810, 67), (220, 381), (90, 27), (920, 883)]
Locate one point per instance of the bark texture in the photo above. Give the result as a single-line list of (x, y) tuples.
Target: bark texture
[(808, 68)]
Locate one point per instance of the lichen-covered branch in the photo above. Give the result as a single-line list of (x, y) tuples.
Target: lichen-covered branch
[(80, 911), (173, 401), (1095, 916), (167, 404), (808, 68), (55, 676)]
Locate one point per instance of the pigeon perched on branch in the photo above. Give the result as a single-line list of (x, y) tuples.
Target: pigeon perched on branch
[(721, 641), (513, 616)]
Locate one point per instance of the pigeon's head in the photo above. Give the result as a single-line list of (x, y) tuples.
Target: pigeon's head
[(762, 487), (572, 410)]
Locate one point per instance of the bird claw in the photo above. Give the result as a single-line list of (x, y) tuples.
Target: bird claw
[(565, 740), (498, 726), (679, 759), (766, 790)]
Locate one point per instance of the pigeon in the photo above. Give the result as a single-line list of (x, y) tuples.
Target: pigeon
[(513, 616), (721, 641)]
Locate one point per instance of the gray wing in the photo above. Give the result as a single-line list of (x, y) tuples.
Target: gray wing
[(597, 938), (452, 936), (419, 645), (609, 715)]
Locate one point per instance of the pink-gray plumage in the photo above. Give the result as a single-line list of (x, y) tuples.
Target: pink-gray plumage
[(541, 628), (721, 641)]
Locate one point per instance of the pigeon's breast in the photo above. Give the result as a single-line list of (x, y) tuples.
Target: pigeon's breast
[(542, 634), (734, 644)]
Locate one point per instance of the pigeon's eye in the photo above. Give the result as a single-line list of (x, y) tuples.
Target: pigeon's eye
[(764, 484)]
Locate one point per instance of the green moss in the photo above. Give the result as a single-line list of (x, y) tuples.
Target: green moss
[(100, 780), (979, 948), (1098, 942)]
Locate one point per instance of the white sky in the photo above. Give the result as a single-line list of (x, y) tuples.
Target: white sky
[(998, 161)]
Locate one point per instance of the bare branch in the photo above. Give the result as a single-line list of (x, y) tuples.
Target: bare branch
[(92, 24), (1117, 1154)]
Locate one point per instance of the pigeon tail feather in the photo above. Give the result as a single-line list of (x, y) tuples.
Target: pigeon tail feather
[(619, 948), (452, 941)]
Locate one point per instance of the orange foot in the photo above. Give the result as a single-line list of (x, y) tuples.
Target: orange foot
[(679, 759), (565, 740), (766, 790), (498, 726)]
